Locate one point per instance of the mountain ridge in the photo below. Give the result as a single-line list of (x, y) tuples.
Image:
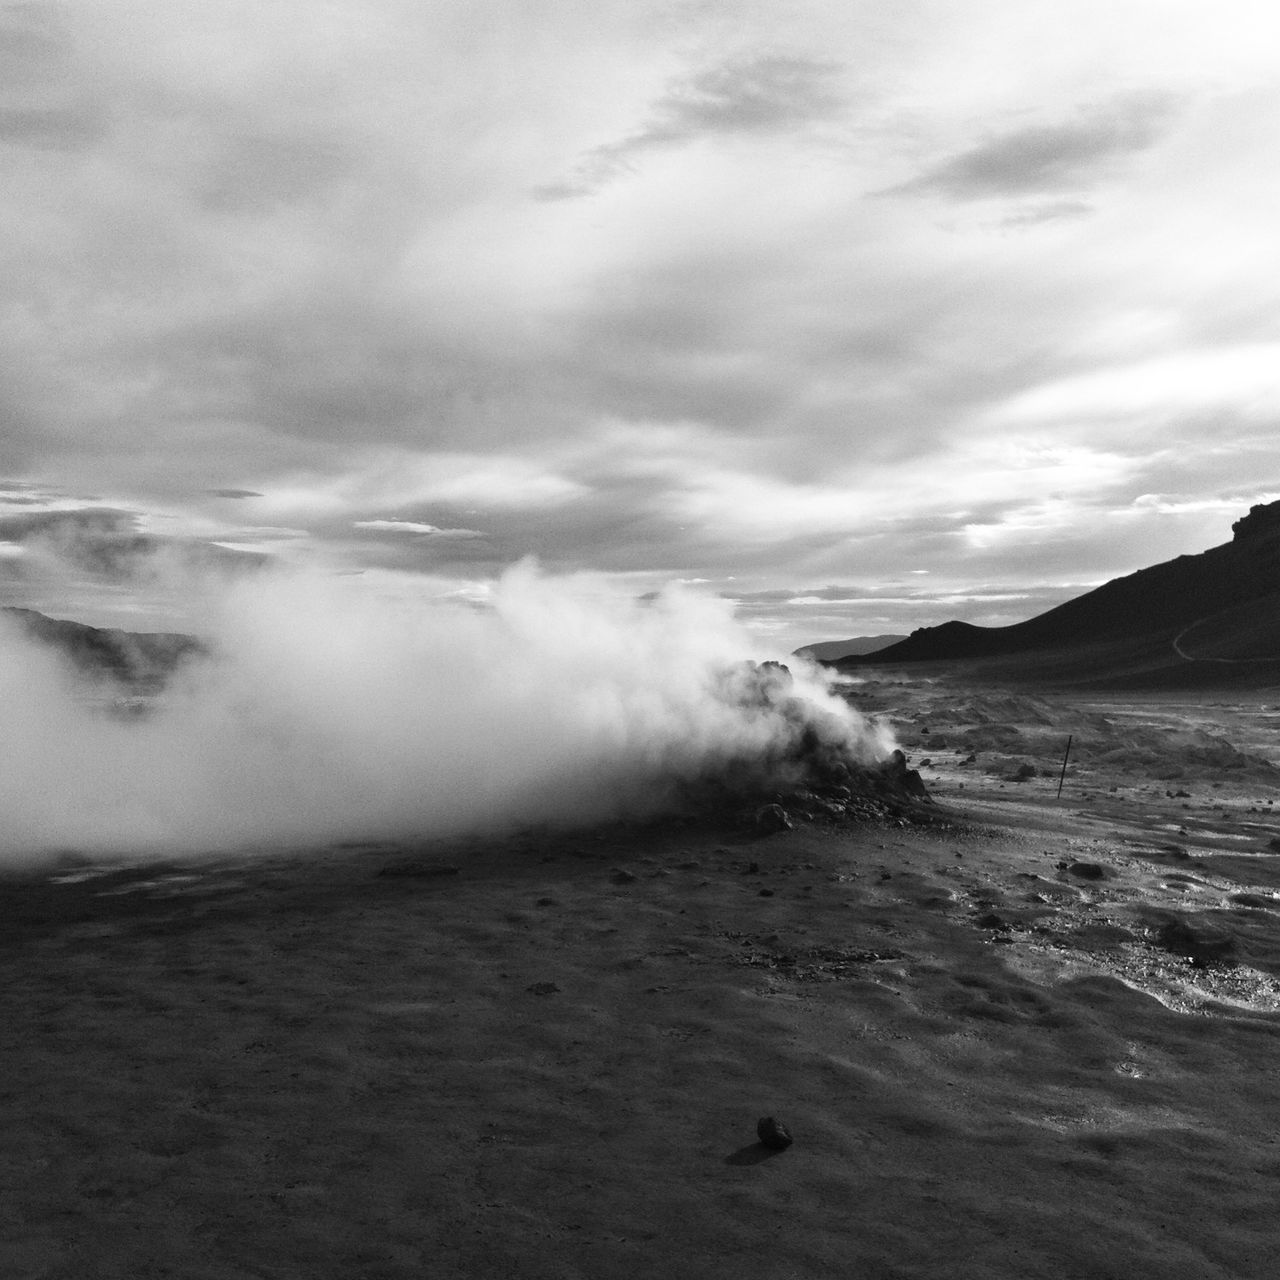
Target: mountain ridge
[(831, 650), (1214, 610), (134, 658)]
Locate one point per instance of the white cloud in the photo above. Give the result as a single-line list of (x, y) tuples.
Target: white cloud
[(269, 249), (414, 527)]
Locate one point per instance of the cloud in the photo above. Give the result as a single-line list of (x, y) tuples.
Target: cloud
[(1071, 155), (112, 544), (416, 528), (70, 128), (756, 97), (297, 262)]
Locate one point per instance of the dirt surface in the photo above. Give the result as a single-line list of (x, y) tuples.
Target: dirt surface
[(1029, 1036)]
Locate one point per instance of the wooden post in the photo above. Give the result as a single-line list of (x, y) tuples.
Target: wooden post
[(1063, 776)]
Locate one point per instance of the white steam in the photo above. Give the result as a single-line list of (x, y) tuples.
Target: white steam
[(329, 712)]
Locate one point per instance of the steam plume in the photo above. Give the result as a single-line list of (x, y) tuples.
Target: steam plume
[(327, 711)]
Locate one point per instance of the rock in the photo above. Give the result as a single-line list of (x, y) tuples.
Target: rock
[(773, 1133), (1023, 772), (990, 920), (1274, 843), (1260, 901), (622, 876), (903, 779), (1088, 870), (1202, 944), (542, 988), (1262, 519), (773, 817)]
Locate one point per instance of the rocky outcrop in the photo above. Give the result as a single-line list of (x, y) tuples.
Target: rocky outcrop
[(1261, 520)]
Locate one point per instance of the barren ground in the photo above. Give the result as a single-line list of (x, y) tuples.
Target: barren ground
[(1034, 1037)]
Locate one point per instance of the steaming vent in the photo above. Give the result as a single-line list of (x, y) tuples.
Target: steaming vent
[(823, 765), (317, 710)]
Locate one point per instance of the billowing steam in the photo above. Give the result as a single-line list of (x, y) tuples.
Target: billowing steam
[(326, 711)]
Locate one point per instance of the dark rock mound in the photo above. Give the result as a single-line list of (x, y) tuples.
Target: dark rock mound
[(773, 1133), (1202, 944), (1089, 870), (773, 817)]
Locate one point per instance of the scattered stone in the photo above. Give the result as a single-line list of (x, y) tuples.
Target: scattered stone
[(547, 902), (773, 817), (542, 988), (1274, 843), (773, 1133), (766, 893)]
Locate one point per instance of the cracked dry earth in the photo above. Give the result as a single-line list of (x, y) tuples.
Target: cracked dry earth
[(1030, 1038)]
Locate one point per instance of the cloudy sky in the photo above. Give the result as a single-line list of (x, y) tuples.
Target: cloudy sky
[(863, 313)]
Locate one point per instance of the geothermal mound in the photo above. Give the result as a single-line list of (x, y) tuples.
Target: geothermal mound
[(821, 767)]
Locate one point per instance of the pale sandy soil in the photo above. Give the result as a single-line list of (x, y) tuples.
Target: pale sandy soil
[(290, 1065)]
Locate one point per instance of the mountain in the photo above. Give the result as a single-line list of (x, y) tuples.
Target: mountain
[(1212, 618), (137, 659), (832, 650)]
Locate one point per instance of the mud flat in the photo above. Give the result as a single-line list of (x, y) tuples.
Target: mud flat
[(1023, 1037)]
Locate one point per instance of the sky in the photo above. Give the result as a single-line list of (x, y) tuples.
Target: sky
[(861, 315)]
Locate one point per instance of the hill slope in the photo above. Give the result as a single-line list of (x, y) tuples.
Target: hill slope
[(831, 650), (132, 658), (1207, 618)]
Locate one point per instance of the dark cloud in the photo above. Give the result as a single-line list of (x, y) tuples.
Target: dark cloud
[(110, 544), (233, 493), (252, 172), (44, 108), (69, 128), (1069, 156), (761, 96)]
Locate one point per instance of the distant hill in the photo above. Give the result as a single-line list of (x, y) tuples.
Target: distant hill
[(137, 659), (1200, 619), (833, 650)]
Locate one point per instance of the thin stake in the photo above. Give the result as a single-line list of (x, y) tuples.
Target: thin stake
[(1063, 777)]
